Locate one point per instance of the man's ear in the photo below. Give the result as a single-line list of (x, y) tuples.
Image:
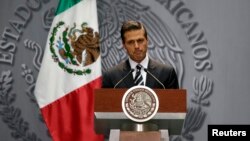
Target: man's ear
[(124, 47)]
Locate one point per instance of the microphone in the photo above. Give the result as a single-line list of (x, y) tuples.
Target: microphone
[(154, 78), (132, 70)]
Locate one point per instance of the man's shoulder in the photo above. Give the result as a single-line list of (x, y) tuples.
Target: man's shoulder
[(159, 65), (117, 68)]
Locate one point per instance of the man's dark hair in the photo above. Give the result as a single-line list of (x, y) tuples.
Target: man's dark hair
[(132, 25)]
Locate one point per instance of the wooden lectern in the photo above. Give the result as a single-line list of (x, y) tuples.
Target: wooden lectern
[(109, 114)]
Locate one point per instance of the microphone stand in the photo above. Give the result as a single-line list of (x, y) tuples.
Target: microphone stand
[(154, 78), (123, 78)]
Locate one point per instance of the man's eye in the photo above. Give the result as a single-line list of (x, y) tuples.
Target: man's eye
[(140, 41), (131, 42)]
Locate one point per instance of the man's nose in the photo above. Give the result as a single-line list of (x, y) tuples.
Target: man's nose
[(136, 45)]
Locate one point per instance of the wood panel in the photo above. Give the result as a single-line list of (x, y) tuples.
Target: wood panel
[(170, 100)]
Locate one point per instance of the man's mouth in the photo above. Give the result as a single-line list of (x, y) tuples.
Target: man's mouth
[(138, 52)]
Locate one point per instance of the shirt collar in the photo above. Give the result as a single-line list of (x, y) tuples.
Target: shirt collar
[(144, 62)]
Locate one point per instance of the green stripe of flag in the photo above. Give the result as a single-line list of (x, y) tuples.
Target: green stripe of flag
[(65, 4)]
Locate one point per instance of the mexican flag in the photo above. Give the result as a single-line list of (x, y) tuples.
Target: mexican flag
[(70, 71)]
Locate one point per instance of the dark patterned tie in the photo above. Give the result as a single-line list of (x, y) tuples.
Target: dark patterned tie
[(138, 76)]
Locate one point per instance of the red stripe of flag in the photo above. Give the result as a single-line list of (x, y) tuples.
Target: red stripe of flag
[(71, 118)]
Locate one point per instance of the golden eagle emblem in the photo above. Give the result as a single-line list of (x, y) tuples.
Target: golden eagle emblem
[(75, 47)]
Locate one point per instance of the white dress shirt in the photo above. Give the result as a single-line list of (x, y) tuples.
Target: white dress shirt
[(144, 64)]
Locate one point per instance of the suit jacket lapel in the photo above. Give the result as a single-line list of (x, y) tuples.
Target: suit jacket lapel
[(150, 81), (129, 82)]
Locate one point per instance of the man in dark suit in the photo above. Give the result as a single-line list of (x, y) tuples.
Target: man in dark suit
[(139, 69)]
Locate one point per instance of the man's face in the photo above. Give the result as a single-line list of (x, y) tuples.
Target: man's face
[(136, 44)]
